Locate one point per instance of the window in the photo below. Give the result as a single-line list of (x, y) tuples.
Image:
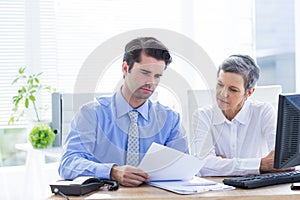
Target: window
[(56, 37), (27, 39), (12, 54)]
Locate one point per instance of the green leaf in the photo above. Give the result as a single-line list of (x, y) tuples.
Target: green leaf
[(15, 98), (23, 89), (11, 120), (16, 80), (32, 91), (26, 103), (18, 100), (32, 98), (15, 109), (21, 70), (37, 80), (48, 88)]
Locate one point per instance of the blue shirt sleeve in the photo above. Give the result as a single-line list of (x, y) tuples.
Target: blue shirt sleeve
[(78, 158), (177, 138)]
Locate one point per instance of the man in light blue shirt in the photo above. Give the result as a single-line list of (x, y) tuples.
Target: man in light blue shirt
[(97, 142)]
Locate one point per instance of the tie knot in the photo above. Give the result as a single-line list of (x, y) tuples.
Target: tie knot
[(133, 115)]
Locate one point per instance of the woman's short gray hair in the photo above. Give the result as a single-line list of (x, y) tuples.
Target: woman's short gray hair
[(243, 65)]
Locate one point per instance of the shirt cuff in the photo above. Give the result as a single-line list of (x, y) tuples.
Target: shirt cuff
[(251, 165), (103, 170)]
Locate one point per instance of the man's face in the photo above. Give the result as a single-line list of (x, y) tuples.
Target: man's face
[(143, 78)]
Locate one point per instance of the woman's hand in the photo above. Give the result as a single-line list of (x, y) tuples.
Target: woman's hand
[(267, 164)]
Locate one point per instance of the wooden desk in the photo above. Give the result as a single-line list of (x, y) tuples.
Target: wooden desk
[(146, 192)]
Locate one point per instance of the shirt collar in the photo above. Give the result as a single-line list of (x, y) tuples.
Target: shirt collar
[(123, 107), (242, 117)]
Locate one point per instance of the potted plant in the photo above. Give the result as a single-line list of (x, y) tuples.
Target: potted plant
[(41, 135)]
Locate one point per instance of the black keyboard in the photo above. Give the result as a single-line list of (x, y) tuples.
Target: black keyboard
[(261, 180)]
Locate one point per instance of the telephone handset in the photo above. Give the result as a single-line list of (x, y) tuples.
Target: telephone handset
[(82, 185)]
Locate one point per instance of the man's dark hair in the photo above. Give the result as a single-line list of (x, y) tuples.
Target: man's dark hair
[(150, 46)]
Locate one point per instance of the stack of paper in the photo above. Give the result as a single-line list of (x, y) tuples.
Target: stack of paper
[(164, 163), (193, 186), (175, 171)]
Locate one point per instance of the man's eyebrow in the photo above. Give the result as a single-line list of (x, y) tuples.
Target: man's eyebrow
[(145, 70)]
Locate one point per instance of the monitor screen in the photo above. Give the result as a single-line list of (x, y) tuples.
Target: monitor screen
[(287, 147)]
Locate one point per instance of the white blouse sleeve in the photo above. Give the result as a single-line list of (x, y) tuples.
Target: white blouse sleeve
[(203, 147)]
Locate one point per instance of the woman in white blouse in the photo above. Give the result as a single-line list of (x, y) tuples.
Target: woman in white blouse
[(236, 136)]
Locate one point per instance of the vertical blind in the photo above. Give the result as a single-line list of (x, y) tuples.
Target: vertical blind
[(27, 39), (12, 50), (55, 37)]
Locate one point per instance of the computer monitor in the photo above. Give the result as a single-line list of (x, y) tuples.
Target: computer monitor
[(287, 147), (64, 106)]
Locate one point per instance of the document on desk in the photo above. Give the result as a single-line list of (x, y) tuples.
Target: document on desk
[(194, 186), (164, 163), (175, 171)]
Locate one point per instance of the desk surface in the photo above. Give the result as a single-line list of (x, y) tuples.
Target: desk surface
[(147, 192)]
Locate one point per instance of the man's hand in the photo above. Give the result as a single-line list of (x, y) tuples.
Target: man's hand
[(267, 164), (128, 175)]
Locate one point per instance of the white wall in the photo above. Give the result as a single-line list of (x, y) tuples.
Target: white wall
[(224, 27)]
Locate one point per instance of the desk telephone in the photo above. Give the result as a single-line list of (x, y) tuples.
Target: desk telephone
[(82, 185)]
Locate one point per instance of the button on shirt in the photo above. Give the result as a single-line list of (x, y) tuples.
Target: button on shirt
[(243, 141), (98, 135)]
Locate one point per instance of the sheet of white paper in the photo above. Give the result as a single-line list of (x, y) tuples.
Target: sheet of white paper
[(195, 185), (164, 163)]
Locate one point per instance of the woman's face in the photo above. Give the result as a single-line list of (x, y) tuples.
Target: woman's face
[(230, 93)]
